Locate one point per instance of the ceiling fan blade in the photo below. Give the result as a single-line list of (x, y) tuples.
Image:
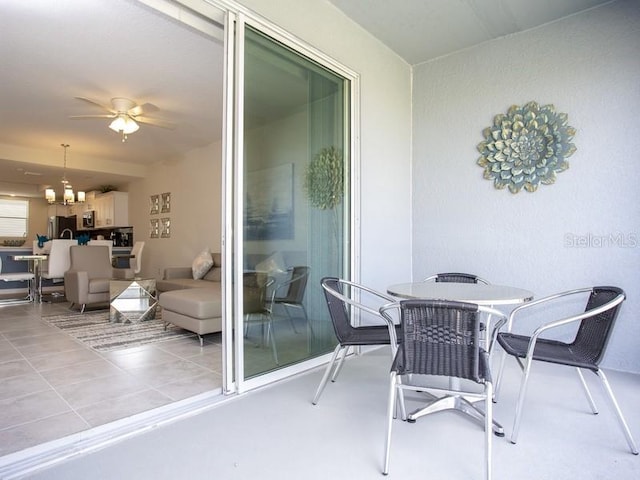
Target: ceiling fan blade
[(154, 122), (142, 109), (92, 116), (96, 103)]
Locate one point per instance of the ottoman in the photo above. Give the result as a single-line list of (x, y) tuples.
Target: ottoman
[(198, 310)]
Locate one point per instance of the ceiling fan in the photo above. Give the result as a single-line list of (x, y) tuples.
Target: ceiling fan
[(126, 115)]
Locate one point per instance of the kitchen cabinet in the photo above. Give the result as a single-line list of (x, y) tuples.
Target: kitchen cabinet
[(112, 209), (57, 210)]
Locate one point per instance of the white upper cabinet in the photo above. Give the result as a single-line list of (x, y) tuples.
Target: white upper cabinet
[(112, 209)]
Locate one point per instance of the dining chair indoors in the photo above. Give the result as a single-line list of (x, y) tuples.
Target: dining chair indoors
[(454, 277), (441, 338), (584, 352), (344, 298), (28, 277), (135, 264)]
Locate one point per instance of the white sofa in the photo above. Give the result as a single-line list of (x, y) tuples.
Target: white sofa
[(192, 304)]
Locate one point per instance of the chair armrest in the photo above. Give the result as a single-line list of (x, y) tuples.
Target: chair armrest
[(285, 284), (385, 312), (171, 273), (543, 301), (498, 319), (571, 319)]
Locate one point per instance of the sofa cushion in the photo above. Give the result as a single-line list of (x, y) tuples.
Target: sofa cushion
[(194, 302), (184, 283), (214, 274), (201, 264)]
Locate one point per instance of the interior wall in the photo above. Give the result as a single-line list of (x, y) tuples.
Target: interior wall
[(385, 141), (195, 184), (580, 231)]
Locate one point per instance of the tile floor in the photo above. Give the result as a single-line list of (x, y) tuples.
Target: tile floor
[(52, 385)]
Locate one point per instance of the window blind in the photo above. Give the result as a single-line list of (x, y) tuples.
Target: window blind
[(14, 215)]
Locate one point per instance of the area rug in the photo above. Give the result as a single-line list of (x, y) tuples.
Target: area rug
[(94, 330)]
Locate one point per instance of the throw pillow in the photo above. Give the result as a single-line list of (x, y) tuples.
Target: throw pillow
[(201, 264)]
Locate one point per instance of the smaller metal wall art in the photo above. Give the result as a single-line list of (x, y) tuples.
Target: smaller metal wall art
[(154, 209), (154, 228), (166, 227), (527, 146), (165, 202)]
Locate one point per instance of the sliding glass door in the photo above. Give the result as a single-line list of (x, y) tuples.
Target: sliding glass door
[(292, 202)]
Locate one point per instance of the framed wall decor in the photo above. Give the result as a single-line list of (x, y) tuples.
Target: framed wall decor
[(154, 228), (165, 202), (165, 231), (154, 209)]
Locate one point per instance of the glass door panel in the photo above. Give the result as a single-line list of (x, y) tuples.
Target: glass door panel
[(295, 202)]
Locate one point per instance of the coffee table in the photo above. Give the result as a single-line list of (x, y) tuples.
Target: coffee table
[(132, 301)]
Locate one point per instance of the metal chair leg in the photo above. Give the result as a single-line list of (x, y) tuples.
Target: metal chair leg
[(290, 318), (519, 405), (496, 390), (488, 427), (272, 336), (390, 409), (338, 369), (587, 392), (327, 374), (623, 423)]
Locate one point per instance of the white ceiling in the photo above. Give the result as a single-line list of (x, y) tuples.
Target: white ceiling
[(53, 51), (421, 30)]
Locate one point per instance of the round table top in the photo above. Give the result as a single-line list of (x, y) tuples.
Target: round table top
[(477, 293)]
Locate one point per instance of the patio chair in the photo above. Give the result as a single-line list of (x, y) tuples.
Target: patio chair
[(257, 309), (585, 351), (343, 297), (290, 293), (456, 278), (442, 338)]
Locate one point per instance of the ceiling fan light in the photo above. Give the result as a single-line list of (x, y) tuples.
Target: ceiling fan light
[(124, 124)]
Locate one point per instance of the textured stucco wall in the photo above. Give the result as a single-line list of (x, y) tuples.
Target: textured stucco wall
[(588, 66)]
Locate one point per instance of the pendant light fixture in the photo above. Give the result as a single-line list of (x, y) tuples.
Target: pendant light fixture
[(68, 197)]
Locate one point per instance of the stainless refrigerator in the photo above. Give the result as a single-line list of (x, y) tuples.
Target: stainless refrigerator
[(59, 226)]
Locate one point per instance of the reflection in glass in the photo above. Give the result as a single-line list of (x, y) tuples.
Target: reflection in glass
[(295, 116)]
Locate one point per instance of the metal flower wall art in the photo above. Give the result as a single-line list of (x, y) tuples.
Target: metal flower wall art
[(527, 146)]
